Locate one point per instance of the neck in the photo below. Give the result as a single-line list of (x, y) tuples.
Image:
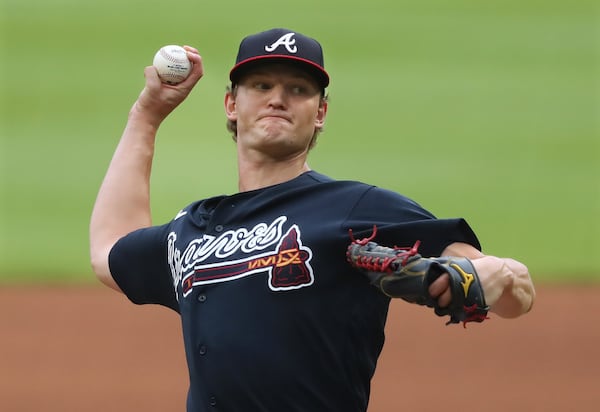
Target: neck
[(254, 175)]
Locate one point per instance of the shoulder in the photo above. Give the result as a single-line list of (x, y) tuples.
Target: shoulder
[(373, 191), (366, 196), (376, 193), (329, 182)]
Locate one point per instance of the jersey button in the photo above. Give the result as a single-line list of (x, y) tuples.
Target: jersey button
[(201, 298), (213, 401), (219, 228), (202, 350)]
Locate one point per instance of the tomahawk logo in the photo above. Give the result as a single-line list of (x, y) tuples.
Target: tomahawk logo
[(286, 40), (287, 267)]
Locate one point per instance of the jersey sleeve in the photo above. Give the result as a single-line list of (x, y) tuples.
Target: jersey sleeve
[(401, 221), (138, 264)]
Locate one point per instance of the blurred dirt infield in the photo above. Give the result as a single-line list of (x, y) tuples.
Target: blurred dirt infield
[(88, 349)]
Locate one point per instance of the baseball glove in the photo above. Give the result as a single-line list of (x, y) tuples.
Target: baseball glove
[(404, 273)]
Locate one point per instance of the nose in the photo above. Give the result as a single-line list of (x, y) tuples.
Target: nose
[(277, 96)]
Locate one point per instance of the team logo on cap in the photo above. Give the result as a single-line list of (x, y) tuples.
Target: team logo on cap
[(286, 40)]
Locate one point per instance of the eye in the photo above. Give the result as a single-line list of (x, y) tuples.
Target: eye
[(260, 85), (299, 90)]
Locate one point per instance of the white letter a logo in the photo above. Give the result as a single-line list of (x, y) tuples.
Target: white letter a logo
[(286, 40)]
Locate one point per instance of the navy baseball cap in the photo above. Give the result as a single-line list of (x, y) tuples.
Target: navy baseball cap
[(283, 45)]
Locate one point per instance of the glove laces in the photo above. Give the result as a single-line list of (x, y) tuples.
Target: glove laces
[(381, 263)]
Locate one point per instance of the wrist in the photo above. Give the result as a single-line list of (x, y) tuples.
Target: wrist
[(142, 117)]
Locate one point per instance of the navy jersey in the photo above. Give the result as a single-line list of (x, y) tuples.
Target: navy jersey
[(274, 318)]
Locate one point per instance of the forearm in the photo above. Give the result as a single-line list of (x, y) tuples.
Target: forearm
[(123, 201), (507, 284)]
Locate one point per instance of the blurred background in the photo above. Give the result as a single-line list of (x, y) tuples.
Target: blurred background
[(484, 110)]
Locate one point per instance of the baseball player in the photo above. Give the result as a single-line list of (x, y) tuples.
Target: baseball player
[(283, 288)]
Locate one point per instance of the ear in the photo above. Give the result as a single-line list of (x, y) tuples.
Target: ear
[(321, 115), (230, 108)]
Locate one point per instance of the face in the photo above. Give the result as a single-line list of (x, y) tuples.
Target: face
[(277, 108)]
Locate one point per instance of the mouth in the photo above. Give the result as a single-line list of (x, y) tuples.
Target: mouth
[(275, 116)]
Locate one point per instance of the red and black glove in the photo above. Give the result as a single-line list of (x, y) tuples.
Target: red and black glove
[(404, 273)]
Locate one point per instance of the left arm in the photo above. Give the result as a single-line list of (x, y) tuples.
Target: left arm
[(506, 283)]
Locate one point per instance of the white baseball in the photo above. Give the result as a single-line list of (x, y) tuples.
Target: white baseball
[(172, 64)]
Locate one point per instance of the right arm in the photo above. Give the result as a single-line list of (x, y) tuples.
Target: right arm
[(123, 201)]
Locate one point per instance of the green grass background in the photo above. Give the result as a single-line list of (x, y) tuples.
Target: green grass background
[(486, 110)]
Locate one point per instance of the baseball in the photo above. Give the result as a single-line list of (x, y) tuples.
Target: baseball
[(172, 64)]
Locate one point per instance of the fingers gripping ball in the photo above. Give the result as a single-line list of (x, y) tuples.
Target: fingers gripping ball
[(172, 64), (404, 273)]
